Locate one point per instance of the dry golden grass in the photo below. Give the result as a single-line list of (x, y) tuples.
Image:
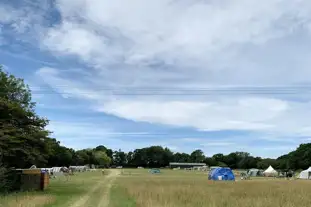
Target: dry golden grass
[(138, 188), (189, 189), (26, 200)]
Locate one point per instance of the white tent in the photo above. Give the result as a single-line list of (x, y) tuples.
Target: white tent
[(306, 174), (254, 172), (56, 171), (270, 171)]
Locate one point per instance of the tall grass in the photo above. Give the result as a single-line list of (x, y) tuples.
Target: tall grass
[(120, 198), (26, 200), (188, 189)]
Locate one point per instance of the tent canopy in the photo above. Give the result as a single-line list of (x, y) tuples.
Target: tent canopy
[(155, 171), (254, 172), (306, 174), (270, 170), (221, 173)]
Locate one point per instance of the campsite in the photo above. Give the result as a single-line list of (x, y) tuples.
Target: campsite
[(49, 174), (168, 188), (155, 103)]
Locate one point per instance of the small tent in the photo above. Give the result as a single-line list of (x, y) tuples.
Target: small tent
[(306, 174), (270, 172), (221, 173), (254, 172), (154, 171)]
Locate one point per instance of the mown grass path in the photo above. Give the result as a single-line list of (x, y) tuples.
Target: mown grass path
[(98, 194), (89, 189)]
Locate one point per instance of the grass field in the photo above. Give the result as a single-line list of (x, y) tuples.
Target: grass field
[(192, 189), (84, 189), (138, 188)]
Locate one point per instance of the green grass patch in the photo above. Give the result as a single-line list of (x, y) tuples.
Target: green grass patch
[(60, 192), (119, 197), (67, 192)]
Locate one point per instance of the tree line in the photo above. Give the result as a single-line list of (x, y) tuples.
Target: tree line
[(24, 141)]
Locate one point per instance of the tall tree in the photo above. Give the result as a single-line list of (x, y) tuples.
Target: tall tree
[(197, 156), (219, 157), (102, 158), (22, 131), (181, 157), (119, 158)]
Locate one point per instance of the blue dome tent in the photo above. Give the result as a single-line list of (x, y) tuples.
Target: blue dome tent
[(221, 173), (154, 171)]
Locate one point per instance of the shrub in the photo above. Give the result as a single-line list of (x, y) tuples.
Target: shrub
[(10, 180), (4, 184)]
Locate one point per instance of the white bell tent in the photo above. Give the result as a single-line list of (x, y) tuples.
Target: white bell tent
[(306, 174), (270, 171)]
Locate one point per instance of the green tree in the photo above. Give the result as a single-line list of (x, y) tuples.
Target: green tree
[(181, 157), (265, 163), (209, 161), (119, 158), (129, 159), (102, 158), (22, 132), (298, 159), (197, 156), (81, 158), (219, 157), (168, 156)]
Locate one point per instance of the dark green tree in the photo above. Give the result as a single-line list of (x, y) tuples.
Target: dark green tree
[(119, 158), (181, 157), (22, 132), (197, 156)]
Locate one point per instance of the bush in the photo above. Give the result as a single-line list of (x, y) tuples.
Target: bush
[(4, 184), (10, 180)]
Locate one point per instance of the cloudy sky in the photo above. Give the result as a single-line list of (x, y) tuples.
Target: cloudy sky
[(216, 75)]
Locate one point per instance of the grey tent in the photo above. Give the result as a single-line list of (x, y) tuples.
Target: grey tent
[(254, 172)]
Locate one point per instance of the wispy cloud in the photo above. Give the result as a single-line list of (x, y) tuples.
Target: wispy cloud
[(217, 144)]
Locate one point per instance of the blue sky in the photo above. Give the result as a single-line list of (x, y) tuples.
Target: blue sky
[(220, 76)]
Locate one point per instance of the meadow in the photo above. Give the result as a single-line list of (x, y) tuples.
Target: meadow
[(192, 189), (139, 188)]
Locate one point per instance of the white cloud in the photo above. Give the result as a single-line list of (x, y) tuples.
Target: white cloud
[(217, 144), (78, 130), (73, 39), (7, 14), (279, 148), (241, 114), (190, 140), (180, 32)]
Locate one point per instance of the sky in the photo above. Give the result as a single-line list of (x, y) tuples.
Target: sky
[(216, 75)]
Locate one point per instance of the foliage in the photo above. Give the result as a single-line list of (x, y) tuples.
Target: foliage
[(22, 133), (4, 185), (197, 156), (102, 158), (9, 180), (298, 159)]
